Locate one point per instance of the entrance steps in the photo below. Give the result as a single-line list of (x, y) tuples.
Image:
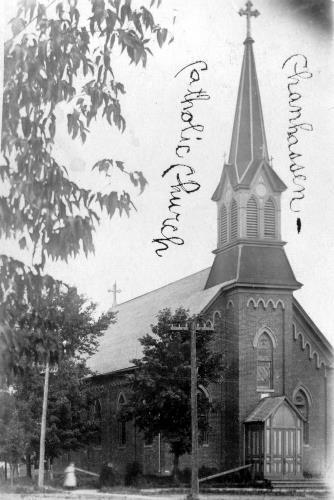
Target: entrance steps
[(309, 484)]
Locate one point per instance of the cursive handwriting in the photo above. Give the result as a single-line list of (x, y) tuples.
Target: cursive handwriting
[(183, 182), (297, 66)]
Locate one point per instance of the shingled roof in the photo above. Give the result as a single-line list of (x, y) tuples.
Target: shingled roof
[(253, 265), (268, 406), (120, 342)]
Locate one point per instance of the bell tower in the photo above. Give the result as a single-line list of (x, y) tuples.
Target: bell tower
[(248, 196)]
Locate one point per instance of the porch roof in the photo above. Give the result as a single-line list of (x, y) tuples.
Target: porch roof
[(267, 406)]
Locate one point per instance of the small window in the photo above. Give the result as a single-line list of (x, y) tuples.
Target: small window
[(264, 362), (269, 219), (204, 434), (121, 432), (302, 404), (121, 423), (234, 226), (95, 415), (252, 216), (222, 226), (203, 416)]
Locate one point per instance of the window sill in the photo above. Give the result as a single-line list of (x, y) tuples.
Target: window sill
[(265, 390)]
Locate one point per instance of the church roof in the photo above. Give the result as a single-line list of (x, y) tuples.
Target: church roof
[(120, 342), (268, 406), (253, 264)]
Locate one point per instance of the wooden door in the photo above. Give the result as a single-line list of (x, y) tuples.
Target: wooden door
[(254, 448), (283, 458), (285, 453)]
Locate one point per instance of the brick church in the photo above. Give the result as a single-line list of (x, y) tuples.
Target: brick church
[(272, 403)]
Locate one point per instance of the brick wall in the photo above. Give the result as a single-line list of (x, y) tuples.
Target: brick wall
[(239, 315)]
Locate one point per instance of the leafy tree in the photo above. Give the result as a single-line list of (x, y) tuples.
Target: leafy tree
[(41, 326), (159, 400), (72, 422), (13, 439), (39, 335), (60, 59)]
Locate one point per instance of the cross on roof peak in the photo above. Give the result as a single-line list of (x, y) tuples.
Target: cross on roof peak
[(248, 12), (114, 291)]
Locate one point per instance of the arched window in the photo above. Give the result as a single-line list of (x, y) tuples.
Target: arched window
[(217, 318), (269, 219), (302, 404), (97, 410), (234, 226), (121, 427), (222, 225), (264, 362), (203, 415), (95, 414), (252, 218)]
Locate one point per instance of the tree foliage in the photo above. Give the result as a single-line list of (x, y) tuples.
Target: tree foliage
[(159, 401), (58, 59), (41, 325), (72, 420), (13, 438), (39, 335), (43, 206)]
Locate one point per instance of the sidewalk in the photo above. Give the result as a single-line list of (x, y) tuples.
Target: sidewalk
[(85, 494)]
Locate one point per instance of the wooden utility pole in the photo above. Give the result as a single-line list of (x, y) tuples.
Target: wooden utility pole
[(43, 424), (192, 325), (194, 422)]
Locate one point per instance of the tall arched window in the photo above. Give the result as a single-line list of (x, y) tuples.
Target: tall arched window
[(203, 415), (252, 217), (269, 219), (234, 226), (94, 414), (302, 404), (264, 362), (121, 427), (223, 225)]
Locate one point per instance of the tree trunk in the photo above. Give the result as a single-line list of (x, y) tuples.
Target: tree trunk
[(11, 468), (28, 465), (175, 472), (6, 473)]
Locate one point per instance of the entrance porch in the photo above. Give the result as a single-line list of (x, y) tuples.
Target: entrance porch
[(273, 433)]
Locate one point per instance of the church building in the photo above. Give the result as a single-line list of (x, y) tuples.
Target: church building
[(271, 405)]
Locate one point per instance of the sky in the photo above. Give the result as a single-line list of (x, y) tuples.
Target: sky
[(211, 31)]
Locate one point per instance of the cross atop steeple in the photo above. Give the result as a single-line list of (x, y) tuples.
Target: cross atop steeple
[(248, 12)]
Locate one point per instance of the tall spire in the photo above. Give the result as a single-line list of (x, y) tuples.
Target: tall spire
[(248, 136)]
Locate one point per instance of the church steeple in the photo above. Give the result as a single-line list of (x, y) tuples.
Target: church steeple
[(248, 196), (248, 137)]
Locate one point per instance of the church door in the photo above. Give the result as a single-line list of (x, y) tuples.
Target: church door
[(283, 446), (286, 453)]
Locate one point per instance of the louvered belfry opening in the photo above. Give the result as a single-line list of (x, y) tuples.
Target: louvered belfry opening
[(269, 219), (223, 225), (234, 226), (252, 218)]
